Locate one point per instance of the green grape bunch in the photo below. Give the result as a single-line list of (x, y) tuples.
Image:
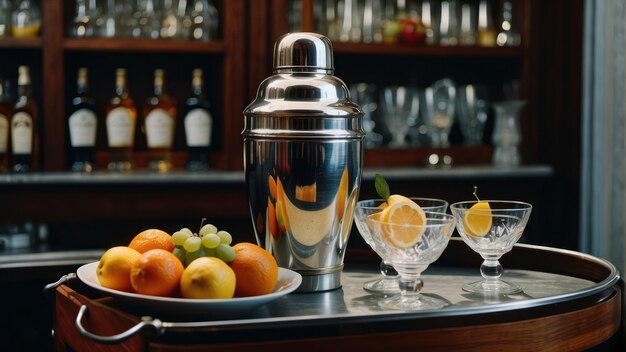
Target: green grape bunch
[(207, 242)]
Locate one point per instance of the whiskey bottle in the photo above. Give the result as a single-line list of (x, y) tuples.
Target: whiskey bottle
[(82, 123), (121, 119), (24, 136), (160, 115), (198, 125), (5, 116)]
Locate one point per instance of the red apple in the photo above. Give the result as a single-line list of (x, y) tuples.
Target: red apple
[(413, 32)]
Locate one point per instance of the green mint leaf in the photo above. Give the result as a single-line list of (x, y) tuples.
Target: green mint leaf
[(382, 188)]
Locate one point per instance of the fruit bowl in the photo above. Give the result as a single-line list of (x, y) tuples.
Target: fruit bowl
[(182, 309)]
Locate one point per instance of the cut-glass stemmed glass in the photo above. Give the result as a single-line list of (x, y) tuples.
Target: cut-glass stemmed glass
[(491, 228), (410, 249), (388, 283)]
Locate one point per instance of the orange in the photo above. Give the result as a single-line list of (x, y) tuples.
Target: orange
[(255, 269), (152, 239), (114, 268), (206, 278), (157, 272)]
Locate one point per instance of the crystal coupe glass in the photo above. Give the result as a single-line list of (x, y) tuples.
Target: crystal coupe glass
[(388, 284), (410, 249), (491, 228)]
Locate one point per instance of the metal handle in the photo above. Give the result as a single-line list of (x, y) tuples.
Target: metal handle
[(153, 326), (63, 280)]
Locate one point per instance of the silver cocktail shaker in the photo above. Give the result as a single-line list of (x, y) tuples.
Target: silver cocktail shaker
[(303, 156)]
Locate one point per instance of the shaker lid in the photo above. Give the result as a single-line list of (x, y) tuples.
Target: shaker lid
[(303, 98), (303, 51)]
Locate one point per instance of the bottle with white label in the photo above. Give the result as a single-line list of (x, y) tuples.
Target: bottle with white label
[(160, 121), (121, 120), (82, 125), (198, 123), (24, 134), (5, 122)]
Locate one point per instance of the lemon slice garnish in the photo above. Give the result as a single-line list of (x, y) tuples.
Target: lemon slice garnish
[(477, 219), (405, 222)]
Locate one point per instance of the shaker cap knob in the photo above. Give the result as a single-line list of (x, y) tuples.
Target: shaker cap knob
[(303, 52)]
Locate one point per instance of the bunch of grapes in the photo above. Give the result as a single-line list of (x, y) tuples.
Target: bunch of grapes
[(208, 242)]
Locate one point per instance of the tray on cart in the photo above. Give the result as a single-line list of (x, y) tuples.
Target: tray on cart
[(555, 282)]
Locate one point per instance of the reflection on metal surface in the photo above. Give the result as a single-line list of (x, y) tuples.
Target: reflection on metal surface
[(303, 161)]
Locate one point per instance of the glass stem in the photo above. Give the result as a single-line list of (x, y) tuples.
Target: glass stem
[(410, 285), (491, 270)]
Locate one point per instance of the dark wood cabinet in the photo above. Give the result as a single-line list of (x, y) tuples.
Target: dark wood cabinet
[(548, 66)]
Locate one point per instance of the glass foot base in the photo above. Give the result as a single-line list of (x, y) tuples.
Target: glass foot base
[(386, 286), (412, 302), (492, 287)]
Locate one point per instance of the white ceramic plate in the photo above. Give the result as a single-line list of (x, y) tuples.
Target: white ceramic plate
[(193, 309)]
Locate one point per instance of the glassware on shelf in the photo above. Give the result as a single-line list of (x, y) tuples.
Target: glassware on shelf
[(472, 110), (422, 245), (467, 35), (372, 18), (507, 136), (171, 23), (508, 35), (294, 16), (486, 29), (26, 20), (5, 18), (400, 107), (148, 23), (430, 21), (95, 11), (491, 228), (82, 25), (204, 20), (388, 283), (448, 25), (112, 25), (438, 106), (364, 95)]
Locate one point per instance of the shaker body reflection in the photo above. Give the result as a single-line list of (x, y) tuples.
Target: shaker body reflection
[(302, 196), (303, 152)]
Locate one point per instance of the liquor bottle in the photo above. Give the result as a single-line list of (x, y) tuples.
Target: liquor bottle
[(5, 116), (82, 124), (198, 125), (24, 136), (121, 119), (160, 115)]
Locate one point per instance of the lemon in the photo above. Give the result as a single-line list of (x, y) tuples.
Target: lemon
[(405, 221), (208, 277), (477, 219), (113, 270)]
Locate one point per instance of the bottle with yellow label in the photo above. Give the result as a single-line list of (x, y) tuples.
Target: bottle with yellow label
[(26, 19), (24, 136), (160, 116)]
